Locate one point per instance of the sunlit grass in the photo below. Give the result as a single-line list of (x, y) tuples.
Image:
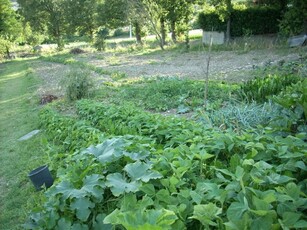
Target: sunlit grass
[(18, 117)]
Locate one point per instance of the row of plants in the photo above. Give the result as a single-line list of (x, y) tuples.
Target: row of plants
[(148, 171)]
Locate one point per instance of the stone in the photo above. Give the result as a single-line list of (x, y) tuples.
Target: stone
[(299, 40), (29, 135)]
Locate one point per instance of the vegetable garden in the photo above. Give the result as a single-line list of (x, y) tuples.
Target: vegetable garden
[(121, 163)]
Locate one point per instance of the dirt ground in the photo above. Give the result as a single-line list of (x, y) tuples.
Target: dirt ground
[(228, 66), (224, 65)]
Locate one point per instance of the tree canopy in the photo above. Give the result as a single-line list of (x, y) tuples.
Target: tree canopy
[(61, 18)]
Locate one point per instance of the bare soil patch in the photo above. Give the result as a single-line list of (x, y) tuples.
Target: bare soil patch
[(230, 66), (224, 65)]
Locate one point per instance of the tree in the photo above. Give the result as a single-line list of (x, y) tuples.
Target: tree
[(82, 16), (10, 26), (114, 13), (137, 18), (178, 12), (49, 13)]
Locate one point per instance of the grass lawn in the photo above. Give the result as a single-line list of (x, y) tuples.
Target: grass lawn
[(19, 116)]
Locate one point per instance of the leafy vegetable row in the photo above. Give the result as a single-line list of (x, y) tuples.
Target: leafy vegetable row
[(171, 173)]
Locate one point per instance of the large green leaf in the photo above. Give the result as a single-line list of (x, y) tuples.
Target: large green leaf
[(98, 223), (141, 171), (78, 226), (290, 218), (149, 189), (237, 209), (66, 189), (206, 213), (263, 222), (119, 185), (142, 219), (108, 151), (82, 206), (63, 223), (94, 185), (275, 178), (211, 191)]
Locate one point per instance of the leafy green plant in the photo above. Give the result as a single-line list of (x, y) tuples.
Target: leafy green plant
[(162, 94), (260, 89), (173, 173), (294, 99), (78, 84)]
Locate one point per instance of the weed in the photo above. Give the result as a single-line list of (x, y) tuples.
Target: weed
[(78, 84)]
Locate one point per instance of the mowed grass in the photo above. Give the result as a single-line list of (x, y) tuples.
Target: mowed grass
[(18, 116)]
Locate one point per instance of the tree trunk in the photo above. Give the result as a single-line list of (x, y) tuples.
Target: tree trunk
[(186, 34), (7, 50), (228, 31), (229, 9), (163, 32), (173, 30), (60, 42), (138, 33)]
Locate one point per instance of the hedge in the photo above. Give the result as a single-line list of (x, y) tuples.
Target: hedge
[(255, 20)]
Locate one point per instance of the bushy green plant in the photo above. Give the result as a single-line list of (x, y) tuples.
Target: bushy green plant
[(78, 84), (99, 41), (293, 98), (261, 88)]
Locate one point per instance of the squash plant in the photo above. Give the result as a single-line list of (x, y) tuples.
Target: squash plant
[(172, 173)]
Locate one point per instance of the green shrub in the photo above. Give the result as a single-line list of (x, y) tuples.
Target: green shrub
[(294, 20), (78, 84), (99, 41), (211, 21), (4, 47), (256, 20)]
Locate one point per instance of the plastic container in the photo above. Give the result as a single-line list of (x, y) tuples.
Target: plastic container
[(40, 177)]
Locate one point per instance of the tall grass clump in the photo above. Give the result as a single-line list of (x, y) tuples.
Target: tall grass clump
[(241, 116), (78, 84)]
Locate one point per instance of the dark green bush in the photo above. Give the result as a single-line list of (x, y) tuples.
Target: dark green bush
[(256, 20), (211, 22)]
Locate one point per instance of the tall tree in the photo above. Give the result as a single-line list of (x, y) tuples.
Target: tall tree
[(10, 26), (137, 18), (178, 12), (47, 12)]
